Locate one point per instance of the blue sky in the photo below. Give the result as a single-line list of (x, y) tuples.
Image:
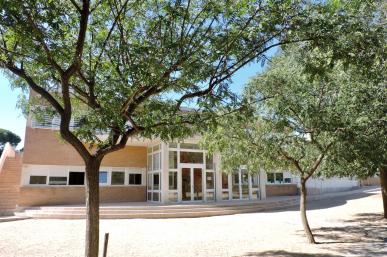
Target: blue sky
[(11, 117)]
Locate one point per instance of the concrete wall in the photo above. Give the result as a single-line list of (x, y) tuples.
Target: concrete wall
[(44, 147), (54, 195), (371, 181), (321, 186), (281, 189)]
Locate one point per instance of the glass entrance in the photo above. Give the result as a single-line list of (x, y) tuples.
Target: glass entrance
[(192, 184)]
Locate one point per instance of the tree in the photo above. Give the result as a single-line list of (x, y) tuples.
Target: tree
[(126, 67), (295, 120), (7, 136)]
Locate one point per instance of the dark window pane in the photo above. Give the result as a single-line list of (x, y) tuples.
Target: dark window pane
[(76, 178), (156, 182), (38, 180), (118, 178), (279, 177), (270, 177), (57, 181), (191, 157), (135, 179), (224, 180)]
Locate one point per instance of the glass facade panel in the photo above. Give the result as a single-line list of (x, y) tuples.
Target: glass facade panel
[(156, 148), (210, 196), (172, 159), (149, 196), (224, 180), (191, 157), (150, 163), (225, 195), (172, 197), (172, 145), (118, 177), (186, 184), (209, 162), (254, 180), (197, 186), (189, 146), (245, 184), (150, 184), (57, 181), (156, 197), (38, 180), (210, 180), (156, 181), (172, 180), (235, 186), (156, 161)]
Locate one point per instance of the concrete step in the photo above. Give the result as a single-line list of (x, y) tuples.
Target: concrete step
[(154, 212)]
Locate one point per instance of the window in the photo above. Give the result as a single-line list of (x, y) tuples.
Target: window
[(172, 180), (209, 162), (270, 177), (172, 159), (57, 181), (118, 177), (38, 180), (255, 180), (277, 178), (156, 182), (189, 146), (191, 157), (103, 177), (156, 148), (135, 179), (210, 180), (76, 178), (156, 161), (150, 162), (172, 145), (224, 180)]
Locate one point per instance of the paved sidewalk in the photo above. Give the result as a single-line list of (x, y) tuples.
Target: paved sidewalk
[(348, 224)]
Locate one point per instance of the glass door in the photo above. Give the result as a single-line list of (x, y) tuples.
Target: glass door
[(186, 184), (192, 184)]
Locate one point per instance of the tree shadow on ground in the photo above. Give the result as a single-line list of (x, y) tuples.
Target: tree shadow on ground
[(282, 253), (364, 235)]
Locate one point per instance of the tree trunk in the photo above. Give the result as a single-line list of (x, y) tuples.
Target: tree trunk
[(304, 219), (92, 208), (383, 185)]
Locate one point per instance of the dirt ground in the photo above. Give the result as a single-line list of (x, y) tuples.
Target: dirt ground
[(344, 226)]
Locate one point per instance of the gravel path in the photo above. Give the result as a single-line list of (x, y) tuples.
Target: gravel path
[(345, 226)]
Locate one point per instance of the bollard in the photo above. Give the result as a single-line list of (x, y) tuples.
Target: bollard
[(105, 245)]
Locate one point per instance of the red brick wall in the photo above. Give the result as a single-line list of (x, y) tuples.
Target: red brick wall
[(281, 189), (51, 195)]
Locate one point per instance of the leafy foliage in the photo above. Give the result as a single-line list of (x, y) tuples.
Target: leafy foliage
[(305, 122), (7, 136)]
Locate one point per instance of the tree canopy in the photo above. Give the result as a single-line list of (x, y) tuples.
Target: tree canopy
[(125, 68), (7, 136)]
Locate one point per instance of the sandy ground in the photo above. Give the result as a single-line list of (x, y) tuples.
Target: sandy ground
[(344, 226)]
